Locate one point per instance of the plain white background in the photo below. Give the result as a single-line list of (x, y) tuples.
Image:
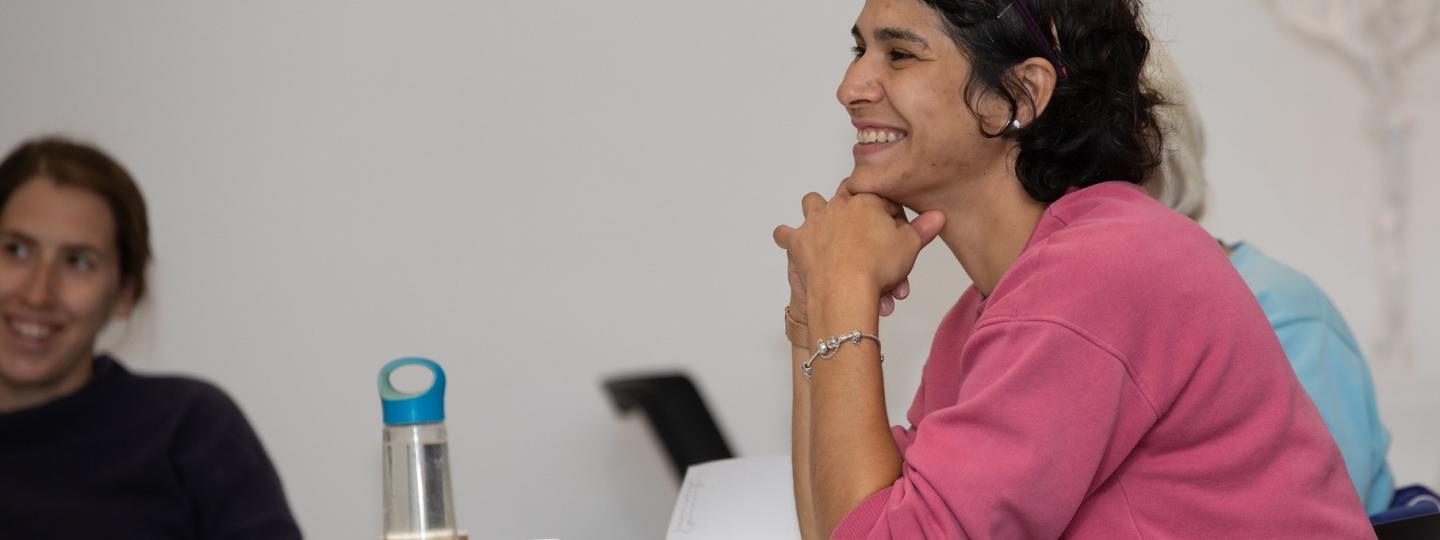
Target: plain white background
[(542, 194)]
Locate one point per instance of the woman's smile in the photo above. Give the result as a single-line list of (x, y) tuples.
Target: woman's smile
[(30, 335), (872, 139)]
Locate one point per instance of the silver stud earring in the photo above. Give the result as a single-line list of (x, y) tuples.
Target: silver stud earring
[(1015, 124)]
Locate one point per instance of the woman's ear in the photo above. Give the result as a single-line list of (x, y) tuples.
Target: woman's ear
[(125, 301), (1036, 78)]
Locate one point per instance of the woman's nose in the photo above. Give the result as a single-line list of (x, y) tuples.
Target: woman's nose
[(860, 87), (40, 283)]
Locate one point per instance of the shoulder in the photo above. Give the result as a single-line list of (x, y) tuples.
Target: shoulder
[(1293, 303), (190, 399), (1112, 246), (208, 427), (1148, 283), (1119, 230), (180, 389), (1281, 290)]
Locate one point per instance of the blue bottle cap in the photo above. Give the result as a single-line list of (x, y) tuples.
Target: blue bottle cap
[(420, 408)]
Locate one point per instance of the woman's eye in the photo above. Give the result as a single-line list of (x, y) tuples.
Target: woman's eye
[(898, 55), (81, 262), (857, 51), (17, 250)]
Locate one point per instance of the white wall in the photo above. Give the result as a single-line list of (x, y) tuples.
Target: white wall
[(541, 194)]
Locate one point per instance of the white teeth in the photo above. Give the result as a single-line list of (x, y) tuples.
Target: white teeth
[(871, 136), (31, 330)]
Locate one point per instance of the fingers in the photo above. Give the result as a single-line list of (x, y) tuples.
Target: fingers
[(928, 225), (783, 235), (809, 203), (892, 208), (888, 299), (812, 202)]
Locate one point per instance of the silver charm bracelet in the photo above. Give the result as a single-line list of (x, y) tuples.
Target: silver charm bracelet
[(827, 348)]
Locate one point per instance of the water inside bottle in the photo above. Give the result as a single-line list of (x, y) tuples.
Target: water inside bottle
[(418, 501)]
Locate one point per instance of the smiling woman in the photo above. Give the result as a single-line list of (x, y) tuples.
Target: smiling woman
[(1107, 375), (91, 450), (65, 270)]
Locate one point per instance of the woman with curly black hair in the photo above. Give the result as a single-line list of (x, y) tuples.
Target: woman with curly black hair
[(1107, 375)]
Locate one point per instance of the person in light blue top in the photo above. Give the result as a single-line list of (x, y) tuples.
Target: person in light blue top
[(1319, 344), (1329, 364)]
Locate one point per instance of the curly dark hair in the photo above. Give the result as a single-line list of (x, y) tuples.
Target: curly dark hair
[(1100, 123)]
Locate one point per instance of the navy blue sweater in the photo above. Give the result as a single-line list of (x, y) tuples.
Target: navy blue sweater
[(141, 457)]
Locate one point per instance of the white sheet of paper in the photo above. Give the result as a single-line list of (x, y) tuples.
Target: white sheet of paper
[(748, 497)]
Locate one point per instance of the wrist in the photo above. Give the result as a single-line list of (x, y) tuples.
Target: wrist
[(829, 291), (798, 309), (842, 308), (829, 285)]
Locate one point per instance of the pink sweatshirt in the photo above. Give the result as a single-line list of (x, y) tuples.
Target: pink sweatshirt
[(1119, 382)]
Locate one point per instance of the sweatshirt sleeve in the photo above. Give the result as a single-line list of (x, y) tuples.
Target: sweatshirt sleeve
[(1044, 415), (235, 491)]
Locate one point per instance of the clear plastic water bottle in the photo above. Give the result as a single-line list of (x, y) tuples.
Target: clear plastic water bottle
[(418, 500)]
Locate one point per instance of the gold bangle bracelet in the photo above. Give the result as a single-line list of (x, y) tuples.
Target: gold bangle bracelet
[(796, 331)]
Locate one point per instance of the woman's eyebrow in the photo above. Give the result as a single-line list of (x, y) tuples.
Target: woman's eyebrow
[(11, 234), (26, 238), (891, 33), (81, 247)]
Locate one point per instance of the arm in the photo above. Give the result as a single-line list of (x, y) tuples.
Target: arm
[(853, 453), (800, 409), (1043, 409), (222, 465), (800, 444), (848, 251), (801, 435)]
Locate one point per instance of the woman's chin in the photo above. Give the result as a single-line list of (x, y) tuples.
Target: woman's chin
[(873, 181)]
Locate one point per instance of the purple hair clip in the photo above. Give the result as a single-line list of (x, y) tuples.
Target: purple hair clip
[(1052, 52)]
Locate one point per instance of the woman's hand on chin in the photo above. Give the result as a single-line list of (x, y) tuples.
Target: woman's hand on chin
[(854, 243)]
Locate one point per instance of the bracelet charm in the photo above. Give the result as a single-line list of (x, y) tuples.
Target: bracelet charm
[(827, 348)]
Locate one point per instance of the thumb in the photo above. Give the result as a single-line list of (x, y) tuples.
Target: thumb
[(928, 225)]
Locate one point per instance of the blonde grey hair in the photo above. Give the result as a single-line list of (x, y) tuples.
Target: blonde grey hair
[(1179, 181)]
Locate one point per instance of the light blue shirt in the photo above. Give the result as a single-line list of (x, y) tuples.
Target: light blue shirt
[(1330, 366)]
